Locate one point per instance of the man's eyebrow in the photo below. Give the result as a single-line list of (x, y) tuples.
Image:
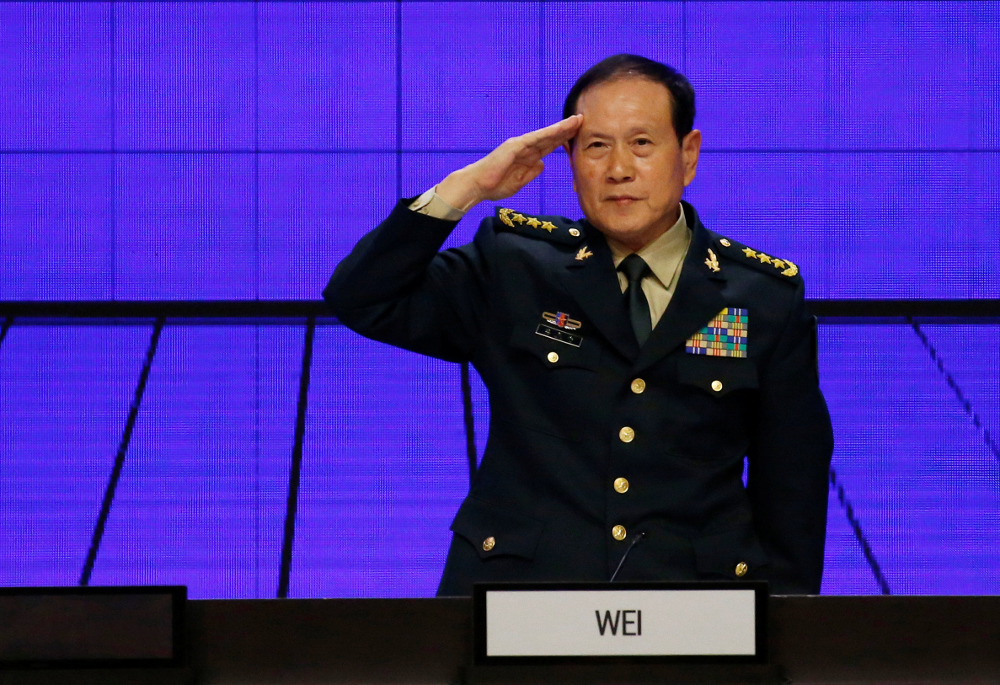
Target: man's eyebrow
[(635, 130)]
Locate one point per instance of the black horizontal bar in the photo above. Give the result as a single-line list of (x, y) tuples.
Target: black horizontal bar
[(170, 309), (903, 309), (890, 311)]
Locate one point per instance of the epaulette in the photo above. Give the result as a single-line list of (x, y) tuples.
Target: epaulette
[(741, 254), (557, 229)]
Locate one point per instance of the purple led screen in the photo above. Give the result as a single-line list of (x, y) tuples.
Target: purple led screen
[(202, 495), (237, 150)]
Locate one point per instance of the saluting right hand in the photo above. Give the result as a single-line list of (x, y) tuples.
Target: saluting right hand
[(510, 167)]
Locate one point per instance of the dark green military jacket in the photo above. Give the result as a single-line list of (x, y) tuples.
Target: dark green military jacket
[(594, 441)]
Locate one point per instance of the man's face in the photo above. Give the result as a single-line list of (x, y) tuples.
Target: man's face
[(628, 170)]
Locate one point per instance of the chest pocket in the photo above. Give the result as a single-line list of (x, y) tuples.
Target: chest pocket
[(580, 352), (717, 376)]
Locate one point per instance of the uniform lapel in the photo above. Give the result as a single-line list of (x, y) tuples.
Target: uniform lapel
[(696, 300), (593, 282)]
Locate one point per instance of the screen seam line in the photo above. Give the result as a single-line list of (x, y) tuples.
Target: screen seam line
[(859, 534), (959, 394), (294, 478), (8, 322), (116, 471)]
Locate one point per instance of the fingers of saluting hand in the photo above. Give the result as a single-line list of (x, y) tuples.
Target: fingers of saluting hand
[(547, 139)]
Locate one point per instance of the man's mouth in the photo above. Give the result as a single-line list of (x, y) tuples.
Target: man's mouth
[(621, 200)]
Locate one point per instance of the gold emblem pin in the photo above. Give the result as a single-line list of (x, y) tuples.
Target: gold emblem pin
[(725, 243), (583, 254)]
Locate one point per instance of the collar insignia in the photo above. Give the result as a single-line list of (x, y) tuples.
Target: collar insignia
[(712, 263), (583, 254)]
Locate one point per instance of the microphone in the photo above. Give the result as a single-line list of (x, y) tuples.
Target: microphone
[(638, 539)]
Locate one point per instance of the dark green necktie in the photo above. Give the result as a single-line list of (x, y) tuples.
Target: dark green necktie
[(635, 269)]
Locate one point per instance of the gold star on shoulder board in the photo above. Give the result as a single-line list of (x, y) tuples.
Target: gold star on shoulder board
[(533, 222), (764, 259), (548, 226), (777, 264), (749, 253), (712, 263), (583, 254), (519, 218)]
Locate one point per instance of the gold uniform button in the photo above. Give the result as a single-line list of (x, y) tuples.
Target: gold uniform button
[(618, 532), (725, 243), (574, 232), (554, 357), (716, 386), (626, 434), (741, 569), (621, 485), (638, 385), (489, 543)]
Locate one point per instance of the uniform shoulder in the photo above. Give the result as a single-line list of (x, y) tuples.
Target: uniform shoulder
[(555, 229), (755, 259)]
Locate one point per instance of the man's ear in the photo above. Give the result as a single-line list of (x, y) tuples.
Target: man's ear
[(690, 150)]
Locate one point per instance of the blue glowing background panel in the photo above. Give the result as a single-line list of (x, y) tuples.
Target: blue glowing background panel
[(857, 139), (233, 150), (202, 498), (202, 494), (64, 400), (916, 414), (383, 471)]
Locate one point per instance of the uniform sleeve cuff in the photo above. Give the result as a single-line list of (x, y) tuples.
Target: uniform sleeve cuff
[(431, 204)]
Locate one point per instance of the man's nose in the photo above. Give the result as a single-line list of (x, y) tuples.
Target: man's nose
[(621, 165)]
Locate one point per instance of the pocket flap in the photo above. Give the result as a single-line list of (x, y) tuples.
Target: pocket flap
[(494, 530), (717, 375), (729, 552), (570, 348)]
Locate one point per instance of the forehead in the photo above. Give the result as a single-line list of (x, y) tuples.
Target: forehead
[(629, 101)]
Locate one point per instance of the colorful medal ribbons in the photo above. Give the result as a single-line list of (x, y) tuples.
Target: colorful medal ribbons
[(724, 336)]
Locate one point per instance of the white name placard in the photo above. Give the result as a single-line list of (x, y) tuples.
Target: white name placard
[(620, 620)]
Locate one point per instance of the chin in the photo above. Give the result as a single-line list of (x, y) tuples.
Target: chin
[(622, 227)]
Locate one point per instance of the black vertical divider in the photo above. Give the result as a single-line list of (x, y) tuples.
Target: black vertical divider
[(116, 471), (285, 571)]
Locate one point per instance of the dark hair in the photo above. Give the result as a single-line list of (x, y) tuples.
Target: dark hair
[(625, 66)]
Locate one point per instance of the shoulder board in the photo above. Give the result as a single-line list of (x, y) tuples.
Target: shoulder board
[(741, 254), (556, 229)]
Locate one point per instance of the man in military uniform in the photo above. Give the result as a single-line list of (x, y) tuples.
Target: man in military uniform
[(633, 358)]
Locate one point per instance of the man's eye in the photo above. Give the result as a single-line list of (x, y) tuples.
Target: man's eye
[(596, 143), (643, 141)]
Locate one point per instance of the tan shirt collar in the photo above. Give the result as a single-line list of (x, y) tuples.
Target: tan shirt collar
[(664, 255)]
